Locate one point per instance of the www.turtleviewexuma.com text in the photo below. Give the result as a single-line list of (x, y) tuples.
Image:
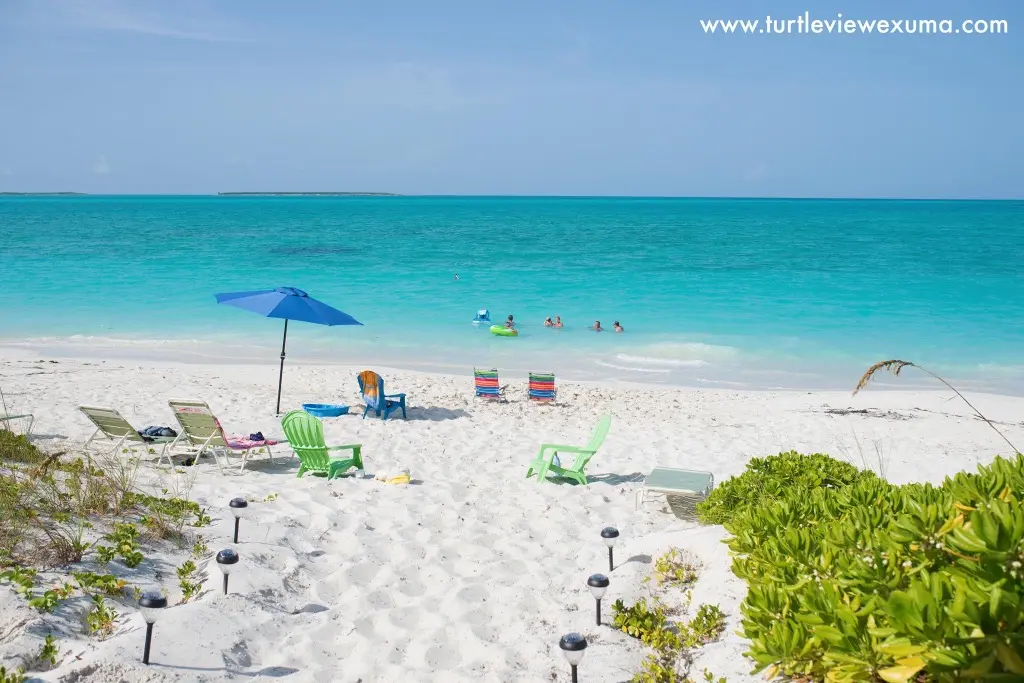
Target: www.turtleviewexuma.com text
[(805, 24)]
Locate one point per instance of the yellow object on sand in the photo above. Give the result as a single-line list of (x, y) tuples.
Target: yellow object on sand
[(398, 477)]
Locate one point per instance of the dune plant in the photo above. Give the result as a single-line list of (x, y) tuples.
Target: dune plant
[(12, 676), (675, 567), (894, 367), (100, 618), (49, 652), (854, 579)]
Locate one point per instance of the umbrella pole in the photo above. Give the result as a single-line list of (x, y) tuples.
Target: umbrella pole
[(280, 375)]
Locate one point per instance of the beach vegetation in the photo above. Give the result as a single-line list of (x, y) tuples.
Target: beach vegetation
[(852, 578), (675, 567), (124, 543), (100, 618), (60, 509), (774, 478), (671, 643), (49, 652), (12, 676), (107, 584), (895, 367), (199, 547), (189, 580)]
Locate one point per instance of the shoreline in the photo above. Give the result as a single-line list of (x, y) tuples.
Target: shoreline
[(587, 370)]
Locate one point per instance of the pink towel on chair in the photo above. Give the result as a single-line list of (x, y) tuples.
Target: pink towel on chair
[(245, 443)]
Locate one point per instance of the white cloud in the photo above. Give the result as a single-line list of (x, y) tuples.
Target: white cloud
[(101, 167), (189, 21)]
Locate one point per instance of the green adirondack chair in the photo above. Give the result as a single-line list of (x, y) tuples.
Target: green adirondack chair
[(545, 461), (305, 435)]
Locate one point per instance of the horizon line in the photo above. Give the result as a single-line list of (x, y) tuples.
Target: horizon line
[(340, 194)]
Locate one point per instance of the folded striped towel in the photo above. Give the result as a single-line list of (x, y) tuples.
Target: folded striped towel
[(244, 442)]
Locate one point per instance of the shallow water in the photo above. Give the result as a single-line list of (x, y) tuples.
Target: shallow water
[(717, 292)]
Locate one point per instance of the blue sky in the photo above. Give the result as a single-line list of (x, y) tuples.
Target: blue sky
[(458, 97)]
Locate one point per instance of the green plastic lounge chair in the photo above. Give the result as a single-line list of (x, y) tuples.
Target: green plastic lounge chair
[(118, 434), (547, 459), (682, 489), (201, 432), (5, 421), (306, 437)]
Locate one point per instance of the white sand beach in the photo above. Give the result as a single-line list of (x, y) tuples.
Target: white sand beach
[(473, 572)]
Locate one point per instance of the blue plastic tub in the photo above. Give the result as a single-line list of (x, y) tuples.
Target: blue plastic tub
[(324, 409)]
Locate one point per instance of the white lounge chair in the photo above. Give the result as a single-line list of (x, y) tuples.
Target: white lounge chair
[(119, 434), (681, 489), (201, 432), (5, 421)]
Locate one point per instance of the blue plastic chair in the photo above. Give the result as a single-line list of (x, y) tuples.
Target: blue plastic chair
[(371, 385)]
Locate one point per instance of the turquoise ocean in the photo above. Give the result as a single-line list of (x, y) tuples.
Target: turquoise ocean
[(768, 294)]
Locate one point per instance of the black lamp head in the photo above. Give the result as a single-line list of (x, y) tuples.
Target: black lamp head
[(239, 507)]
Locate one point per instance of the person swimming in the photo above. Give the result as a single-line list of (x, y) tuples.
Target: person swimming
[(616, 326), (558, 321), (597, 326), (548, 323), (456, 276), (510, 323)]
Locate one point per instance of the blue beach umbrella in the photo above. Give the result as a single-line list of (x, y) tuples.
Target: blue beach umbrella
[(291, 304)]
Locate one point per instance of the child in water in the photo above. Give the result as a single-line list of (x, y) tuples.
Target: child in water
[(510, 323)]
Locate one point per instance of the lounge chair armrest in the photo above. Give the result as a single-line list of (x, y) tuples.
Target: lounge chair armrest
[(563, 449), (346, 447), (394, 395)]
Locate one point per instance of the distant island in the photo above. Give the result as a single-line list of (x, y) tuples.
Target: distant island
[(42, 194), (308, 194)]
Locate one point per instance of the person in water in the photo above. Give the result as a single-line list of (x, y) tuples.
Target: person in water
[(510, 323), (548, 323), (558, 321), (616, 326), (456, 276), (597, 326)]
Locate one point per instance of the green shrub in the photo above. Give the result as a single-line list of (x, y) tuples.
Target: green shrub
[(851, 578), (773, 478)]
